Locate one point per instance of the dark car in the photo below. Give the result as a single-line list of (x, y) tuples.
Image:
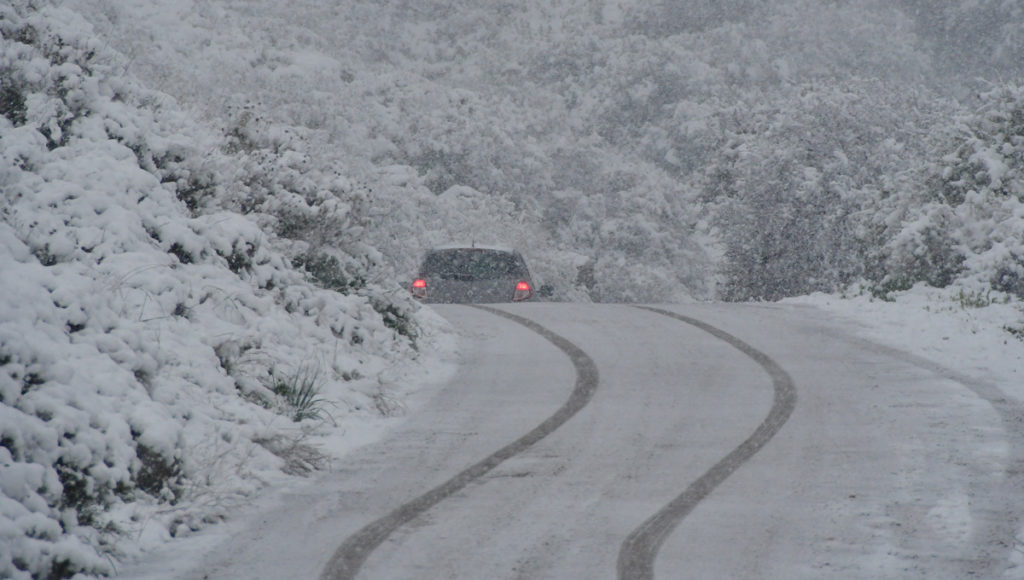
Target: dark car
[(472, 274)]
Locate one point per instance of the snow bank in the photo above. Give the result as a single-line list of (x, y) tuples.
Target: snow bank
[(977, 333), (153, 348)]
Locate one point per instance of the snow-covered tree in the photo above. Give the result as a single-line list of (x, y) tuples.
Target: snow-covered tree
[(793, 186), (969, 223)]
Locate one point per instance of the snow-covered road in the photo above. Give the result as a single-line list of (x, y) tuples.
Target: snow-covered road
[(888, 465)]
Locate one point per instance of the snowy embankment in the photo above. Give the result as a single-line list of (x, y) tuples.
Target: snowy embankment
[(981, 337), (161, 358)]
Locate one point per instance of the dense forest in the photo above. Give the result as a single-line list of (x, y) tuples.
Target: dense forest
[(734, 150)]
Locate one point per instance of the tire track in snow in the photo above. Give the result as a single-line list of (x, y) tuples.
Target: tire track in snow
[(638, 551), (350, 556)]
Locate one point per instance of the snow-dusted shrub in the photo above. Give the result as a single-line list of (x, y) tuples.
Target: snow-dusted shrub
[(280, 183), (924, 249), (983, 180), (959, 220), (988, 150), (793, 188)]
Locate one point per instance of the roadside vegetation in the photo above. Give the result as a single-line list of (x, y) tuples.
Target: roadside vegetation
[(181, 308)]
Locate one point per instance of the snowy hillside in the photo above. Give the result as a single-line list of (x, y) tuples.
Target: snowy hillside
[(660, 144), (162, 359), (210, 208)]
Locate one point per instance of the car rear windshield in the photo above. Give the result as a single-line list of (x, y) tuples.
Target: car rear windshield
[(473, 264)]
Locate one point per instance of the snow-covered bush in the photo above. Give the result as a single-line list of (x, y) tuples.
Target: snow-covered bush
[(956, 217), (145, 323), (976, 205), (322, 213), (794, 186)]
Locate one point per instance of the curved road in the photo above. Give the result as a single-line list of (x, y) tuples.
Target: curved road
[(693, 441)]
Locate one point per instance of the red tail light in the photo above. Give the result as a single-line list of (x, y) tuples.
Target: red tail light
[(419, 288), (523, 291)]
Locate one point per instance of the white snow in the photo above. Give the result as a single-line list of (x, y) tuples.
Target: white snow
[(979, 335)]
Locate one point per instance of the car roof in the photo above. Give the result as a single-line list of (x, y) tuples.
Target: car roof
[(494, 248)]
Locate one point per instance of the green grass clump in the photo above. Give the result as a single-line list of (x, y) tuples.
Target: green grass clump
[(300, 392)]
